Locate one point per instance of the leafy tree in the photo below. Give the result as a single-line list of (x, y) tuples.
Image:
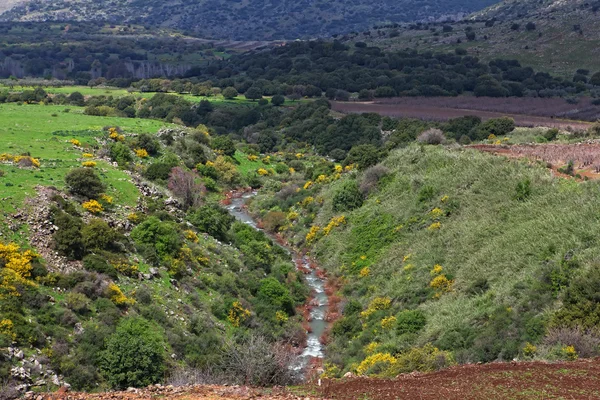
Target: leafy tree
[(134, 355), (84, 182), (277, 100), (363, 155), (254, 93), (230, 93), (97, 235), (276, 294)]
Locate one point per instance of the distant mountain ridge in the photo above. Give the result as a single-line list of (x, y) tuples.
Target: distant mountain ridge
[(244, 20)]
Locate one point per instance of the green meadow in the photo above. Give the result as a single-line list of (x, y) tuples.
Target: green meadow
[(45, 132)]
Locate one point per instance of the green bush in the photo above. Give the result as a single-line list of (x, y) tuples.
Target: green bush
[(96, 263), (161, 236), (410, 321), (134, 355), (121, 154), (213, 220), (67, 239), (348, 197), (97, 235), (84, 182)]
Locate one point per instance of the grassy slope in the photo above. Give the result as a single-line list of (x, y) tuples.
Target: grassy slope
[(490, 236), (31, 129)]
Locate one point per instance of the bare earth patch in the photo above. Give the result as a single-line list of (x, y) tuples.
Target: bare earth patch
[(554, 113)]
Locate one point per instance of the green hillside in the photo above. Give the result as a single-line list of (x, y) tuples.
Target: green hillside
[(483, 257), (246, 20)]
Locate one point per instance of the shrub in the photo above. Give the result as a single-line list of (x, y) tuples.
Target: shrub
[(523, 190), (84, 182), (255, 361), (277, 100), (348, 197), (585, 342), (134, 355), (158, 171), (213, 220), (371, 178), (120, 153), (93, 206), (223, 145), (432, 136), (364, 156), (274, 220), (67, 239), (410, 321), (97, 235), (96, 263), (230, 93), (162, 236)]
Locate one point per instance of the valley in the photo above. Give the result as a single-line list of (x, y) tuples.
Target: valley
[(299, 200)]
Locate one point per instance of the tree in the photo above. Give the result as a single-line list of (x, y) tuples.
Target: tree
[(230, 93), (595, 79), (278, 100), (84, 182), (213, 220), (183, 185), (254, 93), (530, 26), (134, 355), (223, 145), (364, 155)]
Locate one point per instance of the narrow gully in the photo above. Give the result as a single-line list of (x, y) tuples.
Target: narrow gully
[(320, 301)]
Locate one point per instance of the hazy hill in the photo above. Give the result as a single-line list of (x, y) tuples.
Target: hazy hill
[(254, 19), (549, 35)]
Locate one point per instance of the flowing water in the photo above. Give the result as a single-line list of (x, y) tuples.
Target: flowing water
[(313, 348)]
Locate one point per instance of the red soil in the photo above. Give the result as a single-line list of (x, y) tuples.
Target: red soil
[(527, 380)]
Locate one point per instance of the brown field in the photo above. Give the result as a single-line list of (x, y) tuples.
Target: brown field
[(528, 380), (554, 113)]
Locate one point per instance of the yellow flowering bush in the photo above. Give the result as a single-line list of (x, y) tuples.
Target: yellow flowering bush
[(406, 257), (292, 171), (299, 155), (441, 284), (106, 199), (529, 350), (266, 160), (434, 226), (444, 199), (93, 206), (437, 269), (371, 347), (9, 158), (436, 213), (17, 260), (281, 317), (293, 216), (88, 164), (491, 136), (334, 223), (141, 153), (377, 304), (252, 157), (262, 172), (133, 217), (388, 322), (330, 371), (365, 272), (375, 363), (75, 142), (7, 329), (116, 296), (569, 353), (114, 135), (308, 185), (307, 201), (338, 168), (312, 233), (322, 178), (209, 163), (88, 155), (126, 269), (349, 168), (191, 235), (237, 314)]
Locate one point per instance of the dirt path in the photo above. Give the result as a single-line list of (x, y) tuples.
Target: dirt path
[(443, 113)]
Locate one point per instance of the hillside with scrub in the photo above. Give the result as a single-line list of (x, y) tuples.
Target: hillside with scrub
[(449, 255)]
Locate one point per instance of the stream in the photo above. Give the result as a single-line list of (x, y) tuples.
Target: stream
[(314, 348)]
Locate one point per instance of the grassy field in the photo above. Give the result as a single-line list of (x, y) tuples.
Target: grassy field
[(119, 92), (45, 132)]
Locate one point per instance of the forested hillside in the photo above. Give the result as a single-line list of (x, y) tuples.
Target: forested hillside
[(252, 20)]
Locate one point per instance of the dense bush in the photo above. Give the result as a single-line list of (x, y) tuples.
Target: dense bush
[(134, 355), (348, 197), (213, 220), (84, 182)]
